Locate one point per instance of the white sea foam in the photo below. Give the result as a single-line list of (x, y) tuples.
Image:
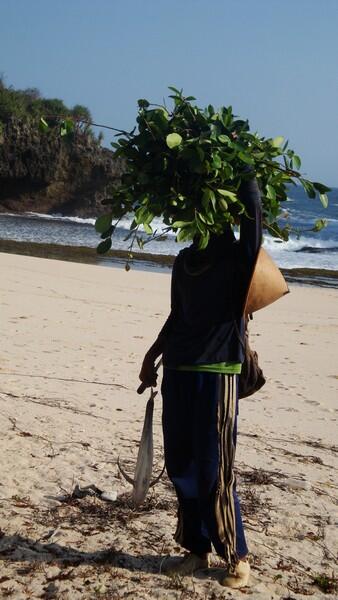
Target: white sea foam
[(314, 251), (295, 244), (124, 223), (157, 224), (58, 217), (308, 252)]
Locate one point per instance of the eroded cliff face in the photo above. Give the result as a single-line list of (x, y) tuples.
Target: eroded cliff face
[(45, 173)]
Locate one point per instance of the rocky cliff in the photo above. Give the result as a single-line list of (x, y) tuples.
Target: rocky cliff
[(45, 173)]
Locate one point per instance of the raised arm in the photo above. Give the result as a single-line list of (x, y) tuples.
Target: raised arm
[(250, 234)]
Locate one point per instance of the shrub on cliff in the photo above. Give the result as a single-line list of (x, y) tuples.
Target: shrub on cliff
[(29, 105)]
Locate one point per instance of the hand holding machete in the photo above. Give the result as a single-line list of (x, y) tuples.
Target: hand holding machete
[(148, 374)]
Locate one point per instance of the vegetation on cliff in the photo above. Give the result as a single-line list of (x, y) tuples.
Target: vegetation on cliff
[(29, 105), (50, 173)]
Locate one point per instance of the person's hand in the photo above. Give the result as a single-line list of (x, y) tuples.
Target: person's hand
[(148, 374)]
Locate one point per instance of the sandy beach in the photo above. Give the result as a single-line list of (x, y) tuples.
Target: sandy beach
[(73, 337)]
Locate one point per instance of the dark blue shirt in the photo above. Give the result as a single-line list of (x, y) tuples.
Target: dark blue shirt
[(208, 292)]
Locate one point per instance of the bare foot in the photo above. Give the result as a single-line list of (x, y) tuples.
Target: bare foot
[(240, 576), (187, 565)]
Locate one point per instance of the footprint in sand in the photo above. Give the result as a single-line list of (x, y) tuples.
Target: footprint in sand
[(313, 402)]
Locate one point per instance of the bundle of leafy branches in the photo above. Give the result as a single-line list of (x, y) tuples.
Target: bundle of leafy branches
[(186, 165)]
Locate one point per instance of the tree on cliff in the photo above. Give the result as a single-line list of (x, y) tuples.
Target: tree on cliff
[(53, 173), (29, 104)]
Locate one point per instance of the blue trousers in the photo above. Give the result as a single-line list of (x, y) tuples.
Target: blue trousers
[(200, 430)]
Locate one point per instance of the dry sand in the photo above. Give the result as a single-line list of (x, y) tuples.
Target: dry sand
[(73, 337)]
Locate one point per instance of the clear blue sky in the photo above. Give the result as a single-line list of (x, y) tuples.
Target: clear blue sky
[(275, 61)]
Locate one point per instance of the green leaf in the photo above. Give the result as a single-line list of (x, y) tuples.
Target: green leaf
[(140, 242), (103, 247), (297, 162), (184, 234), (319, 225), (69, 125), (231, 195), (216, 161), (308, 187), (143, 103), (224, 139), (209, 217), (63, 129), (147, 228), (173, 89), (43, 125), (180, 224), (277, 141), (324, 200), (223, 204), (173, 140), (277, 232), (195, 156), (148, 218), (66, 127), (200, 224), (271, 192), (103, 223), (208, 197), (202, 217), (140, 213), (226, 116), (213, 201), (246, 158), (320, 187), (204, 240), (108, 233)]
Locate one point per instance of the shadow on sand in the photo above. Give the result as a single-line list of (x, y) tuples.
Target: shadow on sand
[(16, 548)]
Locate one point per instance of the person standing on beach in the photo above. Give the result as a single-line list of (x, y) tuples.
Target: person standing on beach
[(202, 356)]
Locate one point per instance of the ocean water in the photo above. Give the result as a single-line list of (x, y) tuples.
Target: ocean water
[(310, 250)]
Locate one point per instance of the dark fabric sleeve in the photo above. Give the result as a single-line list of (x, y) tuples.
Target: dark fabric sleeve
[(250, 235), (166, 327), (174, 305)]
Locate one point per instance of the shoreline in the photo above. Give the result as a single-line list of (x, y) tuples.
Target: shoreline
[(147, 261)]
